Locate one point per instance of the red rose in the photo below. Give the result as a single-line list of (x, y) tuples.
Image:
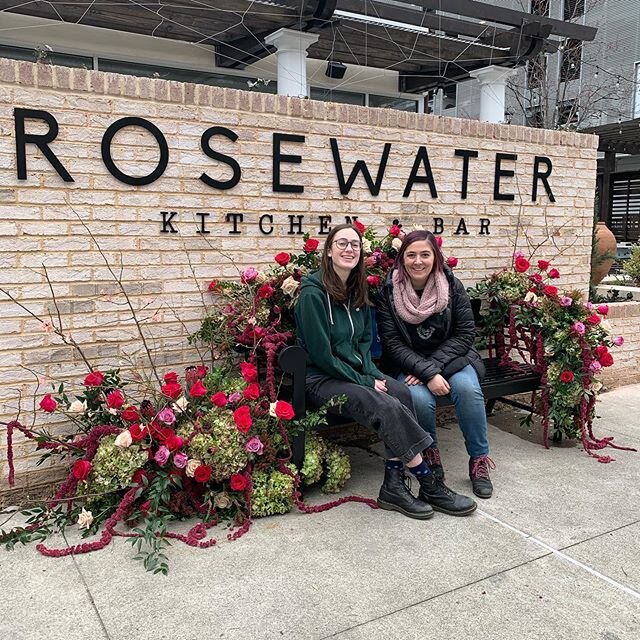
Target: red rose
[(213, 286), (282, 258), (310, 245), (248, 371), (172, 390), (198, 390), (219, 399), (94, 379), (439, 240), (373, 281), (543, 265), (566, 376), (115, 399), (242, 418), (554, 273), (551, 290), (252, 392), (359, 226), (284, 410), (139, 476), (238, 482), (138, 432), (48, 404), (202, 473), (521, 264), (81, 469), (536, 277), (601, 349), (603, 309), (131, 414), (394, 230), (452, 262), (265, 291), (606, 359), (174, 442), (594, 318), (171, 377)]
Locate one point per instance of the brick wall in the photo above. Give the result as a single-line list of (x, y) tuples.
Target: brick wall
[(42, 219), (625, 321)]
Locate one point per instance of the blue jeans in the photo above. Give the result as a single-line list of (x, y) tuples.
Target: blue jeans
[(468, 401)]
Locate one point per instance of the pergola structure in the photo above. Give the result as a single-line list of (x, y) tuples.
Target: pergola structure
[(430, 43)]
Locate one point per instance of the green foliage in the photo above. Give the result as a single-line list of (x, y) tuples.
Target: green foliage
[(272, 493), (631, 266)]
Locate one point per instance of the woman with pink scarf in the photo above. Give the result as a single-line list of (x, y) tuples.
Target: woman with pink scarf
[(427, 331)]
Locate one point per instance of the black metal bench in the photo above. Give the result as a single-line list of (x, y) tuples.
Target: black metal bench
[(499, 383)]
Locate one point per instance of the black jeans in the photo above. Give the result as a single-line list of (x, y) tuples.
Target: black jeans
[(391, 414)]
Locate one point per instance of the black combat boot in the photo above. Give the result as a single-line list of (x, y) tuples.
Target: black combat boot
[(441, 498), (395, 496), (479, 476)]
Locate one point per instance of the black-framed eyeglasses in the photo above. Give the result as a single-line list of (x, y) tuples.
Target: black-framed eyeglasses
[(342, 244)]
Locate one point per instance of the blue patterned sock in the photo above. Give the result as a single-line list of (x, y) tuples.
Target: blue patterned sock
[(420, 470)]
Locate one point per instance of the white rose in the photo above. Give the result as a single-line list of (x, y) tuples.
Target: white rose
[(181, 403), (366, 245), (123, 439), (396, 243), (77, 407), (85, 519), (531, 297), (607, 326), (191, 467), (272, 410), (222, 500), (290, 286)]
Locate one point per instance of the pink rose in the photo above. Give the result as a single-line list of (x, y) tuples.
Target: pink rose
[(618, 341), (254, 445), (565, 301), (180, 460), (579, 328), (603, 309), (162, 455), (48, 403), (248, 275), (167, 416)]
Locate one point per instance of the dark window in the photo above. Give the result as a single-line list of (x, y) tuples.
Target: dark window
[(571, 59), (540, 7), (45, 55), (333, 95), (403, 104), (187, 75), (573, 9)]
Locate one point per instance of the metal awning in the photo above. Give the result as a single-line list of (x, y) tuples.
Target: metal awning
[(430, 43), (621, 137)]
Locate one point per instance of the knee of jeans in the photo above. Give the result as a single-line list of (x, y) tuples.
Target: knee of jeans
[(423, 399), (466, 387)]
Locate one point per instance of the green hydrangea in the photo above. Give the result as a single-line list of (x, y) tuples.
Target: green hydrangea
[(112, 467), (314, 454), (272, 493), (322, 457), (338, 469), (221, 445)]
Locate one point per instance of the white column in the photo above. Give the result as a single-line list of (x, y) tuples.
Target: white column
[(493, 81), (291, 52)]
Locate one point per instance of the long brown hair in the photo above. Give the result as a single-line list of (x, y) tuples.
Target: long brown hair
[(409, 239), (356, 288)]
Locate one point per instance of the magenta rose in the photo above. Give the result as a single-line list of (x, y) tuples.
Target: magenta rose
[(162, 455), (180, 460), (254, 445), (167, 416)]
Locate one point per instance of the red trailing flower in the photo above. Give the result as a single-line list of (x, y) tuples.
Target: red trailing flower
[(452, 262), (550, 290), (265, 291), (94, 379), (252, 392), (373, 281), (282, 258), (566, 376), (554, 273), (394, 230), (242, 418), (172, 390), (130, 414), (202, 473), (248, 371), (81, 469), (359, 226), (310, 245), (237, 482), (219, 399), (115, 399), (198, 390), (543, 265), (284, 410), (171, 377), (48, 403), (594, 319), (521, 264), (138, 432)]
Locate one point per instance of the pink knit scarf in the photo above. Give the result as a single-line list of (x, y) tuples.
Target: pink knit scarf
[(414, 309)]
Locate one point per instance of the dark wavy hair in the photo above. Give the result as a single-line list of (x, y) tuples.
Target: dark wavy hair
[(409, 239), (356, 287)]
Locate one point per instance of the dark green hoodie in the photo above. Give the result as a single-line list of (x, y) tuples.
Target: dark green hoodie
[(336, 337)]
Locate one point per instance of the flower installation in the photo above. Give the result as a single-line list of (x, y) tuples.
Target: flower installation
[(564, 338)]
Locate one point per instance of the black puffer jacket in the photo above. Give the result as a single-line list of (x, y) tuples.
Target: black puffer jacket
[(400, 354)]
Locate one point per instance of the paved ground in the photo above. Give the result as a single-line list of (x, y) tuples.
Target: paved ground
[(555, 554)]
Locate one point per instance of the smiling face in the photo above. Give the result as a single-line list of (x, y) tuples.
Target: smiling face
[(345, 259), (418, 262)]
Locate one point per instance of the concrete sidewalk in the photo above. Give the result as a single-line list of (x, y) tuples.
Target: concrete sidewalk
[(554, 554)]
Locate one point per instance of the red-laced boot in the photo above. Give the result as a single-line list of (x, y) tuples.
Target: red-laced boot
[(479, 474), (435, 463)]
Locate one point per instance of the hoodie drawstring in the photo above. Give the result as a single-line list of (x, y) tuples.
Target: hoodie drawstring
[(330, 313)]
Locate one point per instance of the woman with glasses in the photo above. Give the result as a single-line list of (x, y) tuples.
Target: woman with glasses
[(334, 327), (426, 326)]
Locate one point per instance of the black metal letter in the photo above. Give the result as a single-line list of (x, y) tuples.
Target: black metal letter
[(202, 217), (484, 227), (221, 157), (279, 157), (269, 217), (503, 173), (422, 158), (297, 223), (461, 229), (438, 226), (234, 217), (324, 227), (540, 175), (360, 165), (167, 227), (465, 154)]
